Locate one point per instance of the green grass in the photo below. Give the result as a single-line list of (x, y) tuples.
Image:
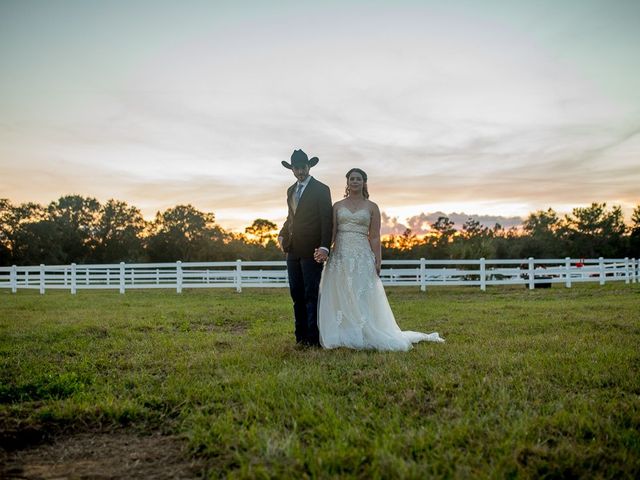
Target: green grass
[(542, 383)]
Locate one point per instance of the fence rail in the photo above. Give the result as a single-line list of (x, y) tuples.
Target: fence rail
[(533, 273)]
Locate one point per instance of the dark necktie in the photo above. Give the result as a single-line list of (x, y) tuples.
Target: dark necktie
[(297, 195)]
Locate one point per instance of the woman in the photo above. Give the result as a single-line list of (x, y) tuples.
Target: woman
[(353, 308)]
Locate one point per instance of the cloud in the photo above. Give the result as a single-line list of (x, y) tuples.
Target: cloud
[(421, 224), (391, 225)]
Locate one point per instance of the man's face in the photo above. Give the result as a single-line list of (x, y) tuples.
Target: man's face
[(301, 173)]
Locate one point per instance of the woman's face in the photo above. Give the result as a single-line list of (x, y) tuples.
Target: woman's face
[(355, 182)]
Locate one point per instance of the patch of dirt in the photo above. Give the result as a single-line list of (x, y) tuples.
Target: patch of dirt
[(103, 456)]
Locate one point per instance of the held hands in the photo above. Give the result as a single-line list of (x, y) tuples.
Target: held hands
[(320, 255)]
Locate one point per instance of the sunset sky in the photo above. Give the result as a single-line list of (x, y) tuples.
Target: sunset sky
[(475, 107)]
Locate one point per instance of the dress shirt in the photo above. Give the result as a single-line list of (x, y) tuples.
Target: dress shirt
[(303, 184)]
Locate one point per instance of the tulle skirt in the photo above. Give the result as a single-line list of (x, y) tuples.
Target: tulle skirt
[(353, 308)]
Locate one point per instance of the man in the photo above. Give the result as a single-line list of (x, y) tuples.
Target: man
[(306, 232)]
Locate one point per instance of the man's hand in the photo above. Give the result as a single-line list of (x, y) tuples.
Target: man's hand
[(280, 240), (320, 255)]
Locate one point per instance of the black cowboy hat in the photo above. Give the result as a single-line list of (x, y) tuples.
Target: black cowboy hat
[(299, 159)]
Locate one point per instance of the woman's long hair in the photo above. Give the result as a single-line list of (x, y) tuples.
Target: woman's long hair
[(365, 190)]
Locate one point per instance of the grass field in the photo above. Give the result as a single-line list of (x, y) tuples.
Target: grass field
[(542, 383)]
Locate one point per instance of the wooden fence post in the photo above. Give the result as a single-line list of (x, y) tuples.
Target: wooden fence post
[(532, 283), (42, 279), (239, 276), (13, 279), (423, 275), (483, 274), (627, 276), (179, 276), (567, 272), (73, 279), (121, 277), (601, 269)]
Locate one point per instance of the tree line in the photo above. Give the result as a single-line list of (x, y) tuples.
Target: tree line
[(587, 232), (82, 230)]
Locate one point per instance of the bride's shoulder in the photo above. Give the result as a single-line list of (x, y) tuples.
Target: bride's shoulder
[(338, 203), (373, 206)]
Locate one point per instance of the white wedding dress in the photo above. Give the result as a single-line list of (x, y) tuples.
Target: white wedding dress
[(353, 308)]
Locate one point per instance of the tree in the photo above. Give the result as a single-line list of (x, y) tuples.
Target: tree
[(187, 234), (542, 223), (595, 231), (506, 242), (6, 212), (119, 233), (38, 242), (400, 246), (475, 241), (445, 229), (28, 237), (437, 245), (634, 236), (544, 235), (76, 219), (262, 231), (635, 218)]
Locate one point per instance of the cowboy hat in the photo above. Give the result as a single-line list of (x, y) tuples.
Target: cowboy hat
[(299, 159)]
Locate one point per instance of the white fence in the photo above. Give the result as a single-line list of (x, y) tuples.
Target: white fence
[(423, 273)]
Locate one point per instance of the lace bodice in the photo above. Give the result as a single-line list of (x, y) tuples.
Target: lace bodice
[(352, 237), (356, 222)]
